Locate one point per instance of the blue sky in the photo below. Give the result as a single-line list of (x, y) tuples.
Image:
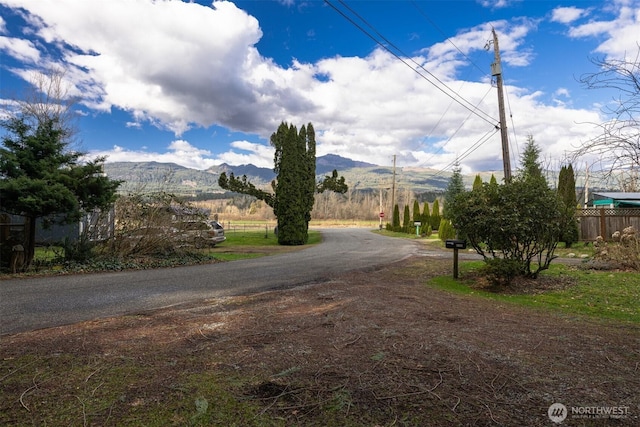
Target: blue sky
[(201, 83)]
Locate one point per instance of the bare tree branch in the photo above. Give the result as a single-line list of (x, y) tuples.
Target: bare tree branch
[(618, 145), (48, 98)]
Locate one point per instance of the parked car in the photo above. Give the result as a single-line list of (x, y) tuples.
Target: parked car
[(200, 233)]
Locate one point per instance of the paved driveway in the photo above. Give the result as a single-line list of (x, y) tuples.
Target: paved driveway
[(27, 304)]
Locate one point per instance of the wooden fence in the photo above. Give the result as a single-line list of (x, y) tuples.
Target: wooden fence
[(604, 222)]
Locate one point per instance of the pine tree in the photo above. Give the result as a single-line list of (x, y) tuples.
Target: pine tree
[(454, 187), (530, 168)]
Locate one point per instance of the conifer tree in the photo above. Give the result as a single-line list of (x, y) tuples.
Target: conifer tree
[(395, 224), (406, 219), (41, 178), (416, 211), (477, 182), (426, 217), (567, 195), (294, 188), (514, 226), (435, 215), (454, 187), (531, 169)]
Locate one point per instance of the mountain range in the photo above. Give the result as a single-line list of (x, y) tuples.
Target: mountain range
[(171, 177)]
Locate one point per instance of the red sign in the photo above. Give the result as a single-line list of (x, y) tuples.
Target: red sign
[(381, 214)]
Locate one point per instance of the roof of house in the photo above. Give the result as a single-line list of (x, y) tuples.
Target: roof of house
[(618, 195), (616, 198)]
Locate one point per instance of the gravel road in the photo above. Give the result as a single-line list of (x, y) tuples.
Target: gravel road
[(35, 303)]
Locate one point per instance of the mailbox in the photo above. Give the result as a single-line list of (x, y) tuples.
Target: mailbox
[(455, 244)]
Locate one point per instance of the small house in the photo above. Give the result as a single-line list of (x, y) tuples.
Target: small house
[(615, 200)]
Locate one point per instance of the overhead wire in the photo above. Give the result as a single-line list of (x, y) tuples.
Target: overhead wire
[(513, 125), (468, 151), (448, 92), (454, 134), (434, 25), (455, 96), (448, 39)]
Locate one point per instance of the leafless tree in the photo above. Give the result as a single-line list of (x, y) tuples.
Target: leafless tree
[(48, 97), (618, 142)]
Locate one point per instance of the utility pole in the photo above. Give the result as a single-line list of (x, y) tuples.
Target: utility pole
[(393, 186), (496, 70)]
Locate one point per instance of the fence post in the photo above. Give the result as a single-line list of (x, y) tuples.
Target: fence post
[(603, 225)]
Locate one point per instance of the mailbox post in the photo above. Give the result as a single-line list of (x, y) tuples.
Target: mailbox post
[(455, 244), (417, 224)]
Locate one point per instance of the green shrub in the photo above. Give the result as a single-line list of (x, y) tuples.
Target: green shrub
[(446, 230), (501, 272)]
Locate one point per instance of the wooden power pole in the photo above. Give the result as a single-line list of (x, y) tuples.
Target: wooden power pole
[(393, 186), (496, 70)]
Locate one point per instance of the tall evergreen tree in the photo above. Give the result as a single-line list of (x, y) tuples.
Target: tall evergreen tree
[(395, 224), (530, 168), (567, 195), (567, 186), (41, 178), (477, 182), (426, 217), (406, 219), (435, 215), (417, 216), (454, 187), (294, 188)]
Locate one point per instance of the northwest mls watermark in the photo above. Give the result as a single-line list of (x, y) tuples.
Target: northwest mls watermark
[(559, 412)]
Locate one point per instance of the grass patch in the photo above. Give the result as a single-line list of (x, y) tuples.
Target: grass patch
[(602, 294), (255, 244), (64, 389), (261, 238), (47, 253), (577, 249)]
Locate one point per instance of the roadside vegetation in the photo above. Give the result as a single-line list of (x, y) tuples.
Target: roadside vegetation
[(613, 295), (240, 244)]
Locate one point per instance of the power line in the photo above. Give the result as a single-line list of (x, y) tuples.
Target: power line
[(455, 96), (449, 92), (448, 39), (433, 24), (513, 125), (454, 134), (468, 151)]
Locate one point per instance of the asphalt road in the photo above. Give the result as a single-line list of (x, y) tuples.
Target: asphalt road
[(28, 304)]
